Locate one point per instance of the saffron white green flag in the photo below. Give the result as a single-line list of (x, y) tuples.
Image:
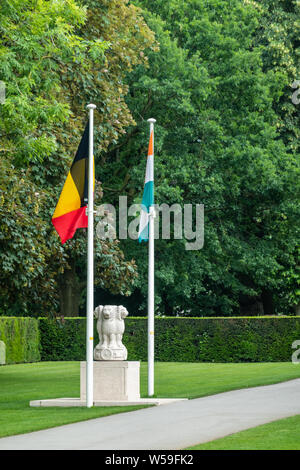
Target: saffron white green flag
[(148, 195)]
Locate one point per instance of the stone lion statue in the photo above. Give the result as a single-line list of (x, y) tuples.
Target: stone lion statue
[(110, 327)]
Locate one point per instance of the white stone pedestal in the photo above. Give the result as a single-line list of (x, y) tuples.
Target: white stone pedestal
[(113, 380), (116, 383)]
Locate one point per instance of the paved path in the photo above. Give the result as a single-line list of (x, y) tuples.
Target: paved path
[(173, 426)]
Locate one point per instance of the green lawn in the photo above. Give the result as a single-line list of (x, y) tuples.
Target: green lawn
[(24, 382), (278, 435), (192, 380)]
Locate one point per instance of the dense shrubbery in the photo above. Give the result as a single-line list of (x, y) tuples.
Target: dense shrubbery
[(62, 340), (22, 339), (236, 339)]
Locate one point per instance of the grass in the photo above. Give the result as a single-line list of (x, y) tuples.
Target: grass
[(24, 382), (193, 380), (19, 384), (278, 435)]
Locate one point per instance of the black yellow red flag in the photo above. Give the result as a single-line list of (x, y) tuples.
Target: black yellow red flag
[(70, 213)]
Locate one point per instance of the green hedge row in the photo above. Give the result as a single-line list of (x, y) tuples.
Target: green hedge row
[(22, 339), (235, 339), (63, 341), (239, 339)]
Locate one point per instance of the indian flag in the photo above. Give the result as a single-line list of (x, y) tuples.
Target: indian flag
[(148, 196)]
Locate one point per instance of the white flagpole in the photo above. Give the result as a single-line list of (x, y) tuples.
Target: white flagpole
[(90, 266), (151, 285)]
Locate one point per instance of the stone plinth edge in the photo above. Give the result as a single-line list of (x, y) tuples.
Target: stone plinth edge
[(67, 402)]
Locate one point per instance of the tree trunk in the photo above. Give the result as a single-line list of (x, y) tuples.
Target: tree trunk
[(267, 300), (297, 309), (69, 292), (252, 308)]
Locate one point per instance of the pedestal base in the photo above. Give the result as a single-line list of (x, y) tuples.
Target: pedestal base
[(67, 402), (116, 383), (113, 381)]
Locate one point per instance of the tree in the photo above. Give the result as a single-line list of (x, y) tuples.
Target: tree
[(279, 33), (52, 60), (217, 143)]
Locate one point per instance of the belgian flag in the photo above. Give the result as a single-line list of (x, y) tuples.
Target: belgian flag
[(70, 213)]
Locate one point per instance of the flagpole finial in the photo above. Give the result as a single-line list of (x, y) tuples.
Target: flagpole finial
[(151, 120), (91, 106)]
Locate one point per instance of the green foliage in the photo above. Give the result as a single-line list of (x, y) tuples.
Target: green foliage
[(236, 339), (55, 57), (227, 136), (61, 340), (29, 254), (22, 339), (291, 276), (279, 34), (36, 37), (215, 94)]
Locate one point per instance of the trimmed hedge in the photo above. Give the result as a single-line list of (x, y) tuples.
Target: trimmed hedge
[(22, 339), (63, 341), (234, 339)]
